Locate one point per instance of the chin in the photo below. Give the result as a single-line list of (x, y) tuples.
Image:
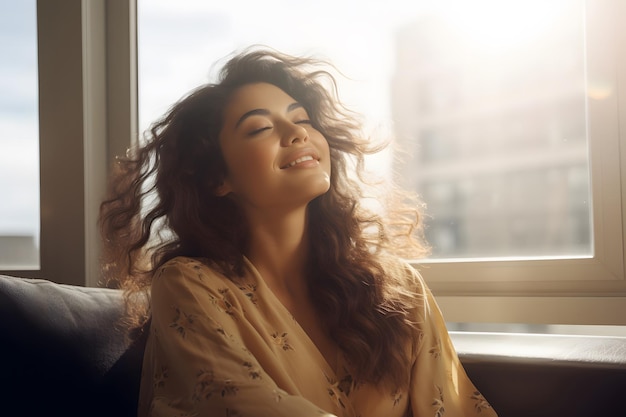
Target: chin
[(323, 186), (312, 189)]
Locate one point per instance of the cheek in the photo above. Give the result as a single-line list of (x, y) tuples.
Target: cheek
[(250, 163), (325, 149)]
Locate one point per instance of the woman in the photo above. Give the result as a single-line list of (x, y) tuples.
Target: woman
[(273, 292)]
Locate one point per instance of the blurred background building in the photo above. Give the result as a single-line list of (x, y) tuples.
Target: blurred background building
[(492, 135)]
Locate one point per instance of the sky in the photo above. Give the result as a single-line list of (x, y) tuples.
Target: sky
[(19, 148)]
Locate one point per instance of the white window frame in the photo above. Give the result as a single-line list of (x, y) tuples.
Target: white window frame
[(87, 112), (565, 290)]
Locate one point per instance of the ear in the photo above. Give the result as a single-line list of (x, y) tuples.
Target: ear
[(223, 189)]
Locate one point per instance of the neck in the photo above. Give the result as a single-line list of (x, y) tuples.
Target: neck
[(279, 250)]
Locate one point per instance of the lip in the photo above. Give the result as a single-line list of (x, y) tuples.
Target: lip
[(294, 156)]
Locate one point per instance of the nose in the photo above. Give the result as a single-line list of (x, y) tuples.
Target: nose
[(294, 133)]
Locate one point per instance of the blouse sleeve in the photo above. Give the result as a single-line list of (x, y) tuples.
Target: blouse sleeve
[(439, 385), (201, 366)]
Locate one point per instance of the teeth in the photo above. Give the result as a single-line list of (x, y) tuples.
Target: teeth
[(299, 160)]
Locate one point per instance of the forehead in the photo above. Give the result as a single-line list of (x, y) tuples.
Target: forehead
[(255, 96)]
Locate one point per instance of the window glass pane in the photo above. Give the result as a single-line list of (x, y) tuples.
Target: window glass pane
[(487, 98), (19, 142), (492, 107)]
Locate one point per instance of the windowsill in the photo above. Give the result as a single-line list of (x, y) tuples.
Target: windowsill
[(541, 349), (546, 329), (546, 375)]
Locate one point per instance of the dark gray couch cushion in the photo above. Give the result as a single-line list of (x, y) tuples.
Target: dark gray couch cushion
[(65, 352)]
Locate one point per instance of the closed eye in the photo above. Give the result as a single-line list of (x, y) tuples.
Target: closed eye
[(257, 131), (304, 122)]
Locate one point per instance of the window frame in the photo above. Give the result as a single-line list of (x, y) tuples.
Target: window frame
[(557, 290), (87, 112)]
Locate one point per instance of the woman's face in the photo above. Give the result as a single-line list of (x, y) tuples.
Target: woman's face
[(275, 158)]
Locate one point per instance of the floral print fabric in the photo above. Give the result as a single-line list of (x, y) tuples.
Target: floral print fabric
[(220, 348)]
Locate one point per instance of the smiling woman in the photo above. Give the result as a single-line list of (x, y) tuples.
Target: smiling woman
[(277, 292)]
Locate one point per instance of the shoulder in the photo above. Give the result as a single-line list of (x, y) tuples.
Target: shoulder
[(409, 290), (184, 263), (403, 274), (185, 272), (192, 285)]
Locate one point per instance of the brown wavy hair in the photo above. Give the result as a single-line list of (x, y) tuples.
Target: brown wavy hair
[(162, 204)]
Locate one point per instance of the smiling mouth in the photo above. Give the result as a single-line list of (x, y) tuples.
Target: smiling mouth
[(298, 161)]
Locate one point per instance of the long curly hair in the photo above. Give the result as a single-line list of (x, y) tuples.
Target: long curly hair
[(162, 204)]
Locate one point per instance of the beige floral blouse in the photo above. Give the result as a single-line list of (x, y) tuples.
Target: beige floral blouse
[(218, 348)]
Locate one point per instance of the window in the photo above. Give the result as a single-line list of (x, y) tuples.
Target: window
[(86, 78), (86, 114), (582, 281), (19, 142), (82, 51), (501, 118), (509, 112), (179, 45)]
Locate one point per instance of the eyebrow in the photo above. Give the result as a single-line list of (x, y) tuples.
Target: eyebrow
[(265, 112)]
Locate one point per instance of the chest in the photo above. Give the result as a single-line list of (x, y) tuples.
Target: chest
[(309, 362), (304, 313)]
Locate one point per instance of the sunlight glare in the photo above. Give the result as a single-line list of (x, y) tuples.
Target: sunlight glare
[(495, 24)]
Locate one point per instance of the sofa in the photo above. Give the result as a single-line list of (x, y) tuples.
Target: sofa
[(65, 353)]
